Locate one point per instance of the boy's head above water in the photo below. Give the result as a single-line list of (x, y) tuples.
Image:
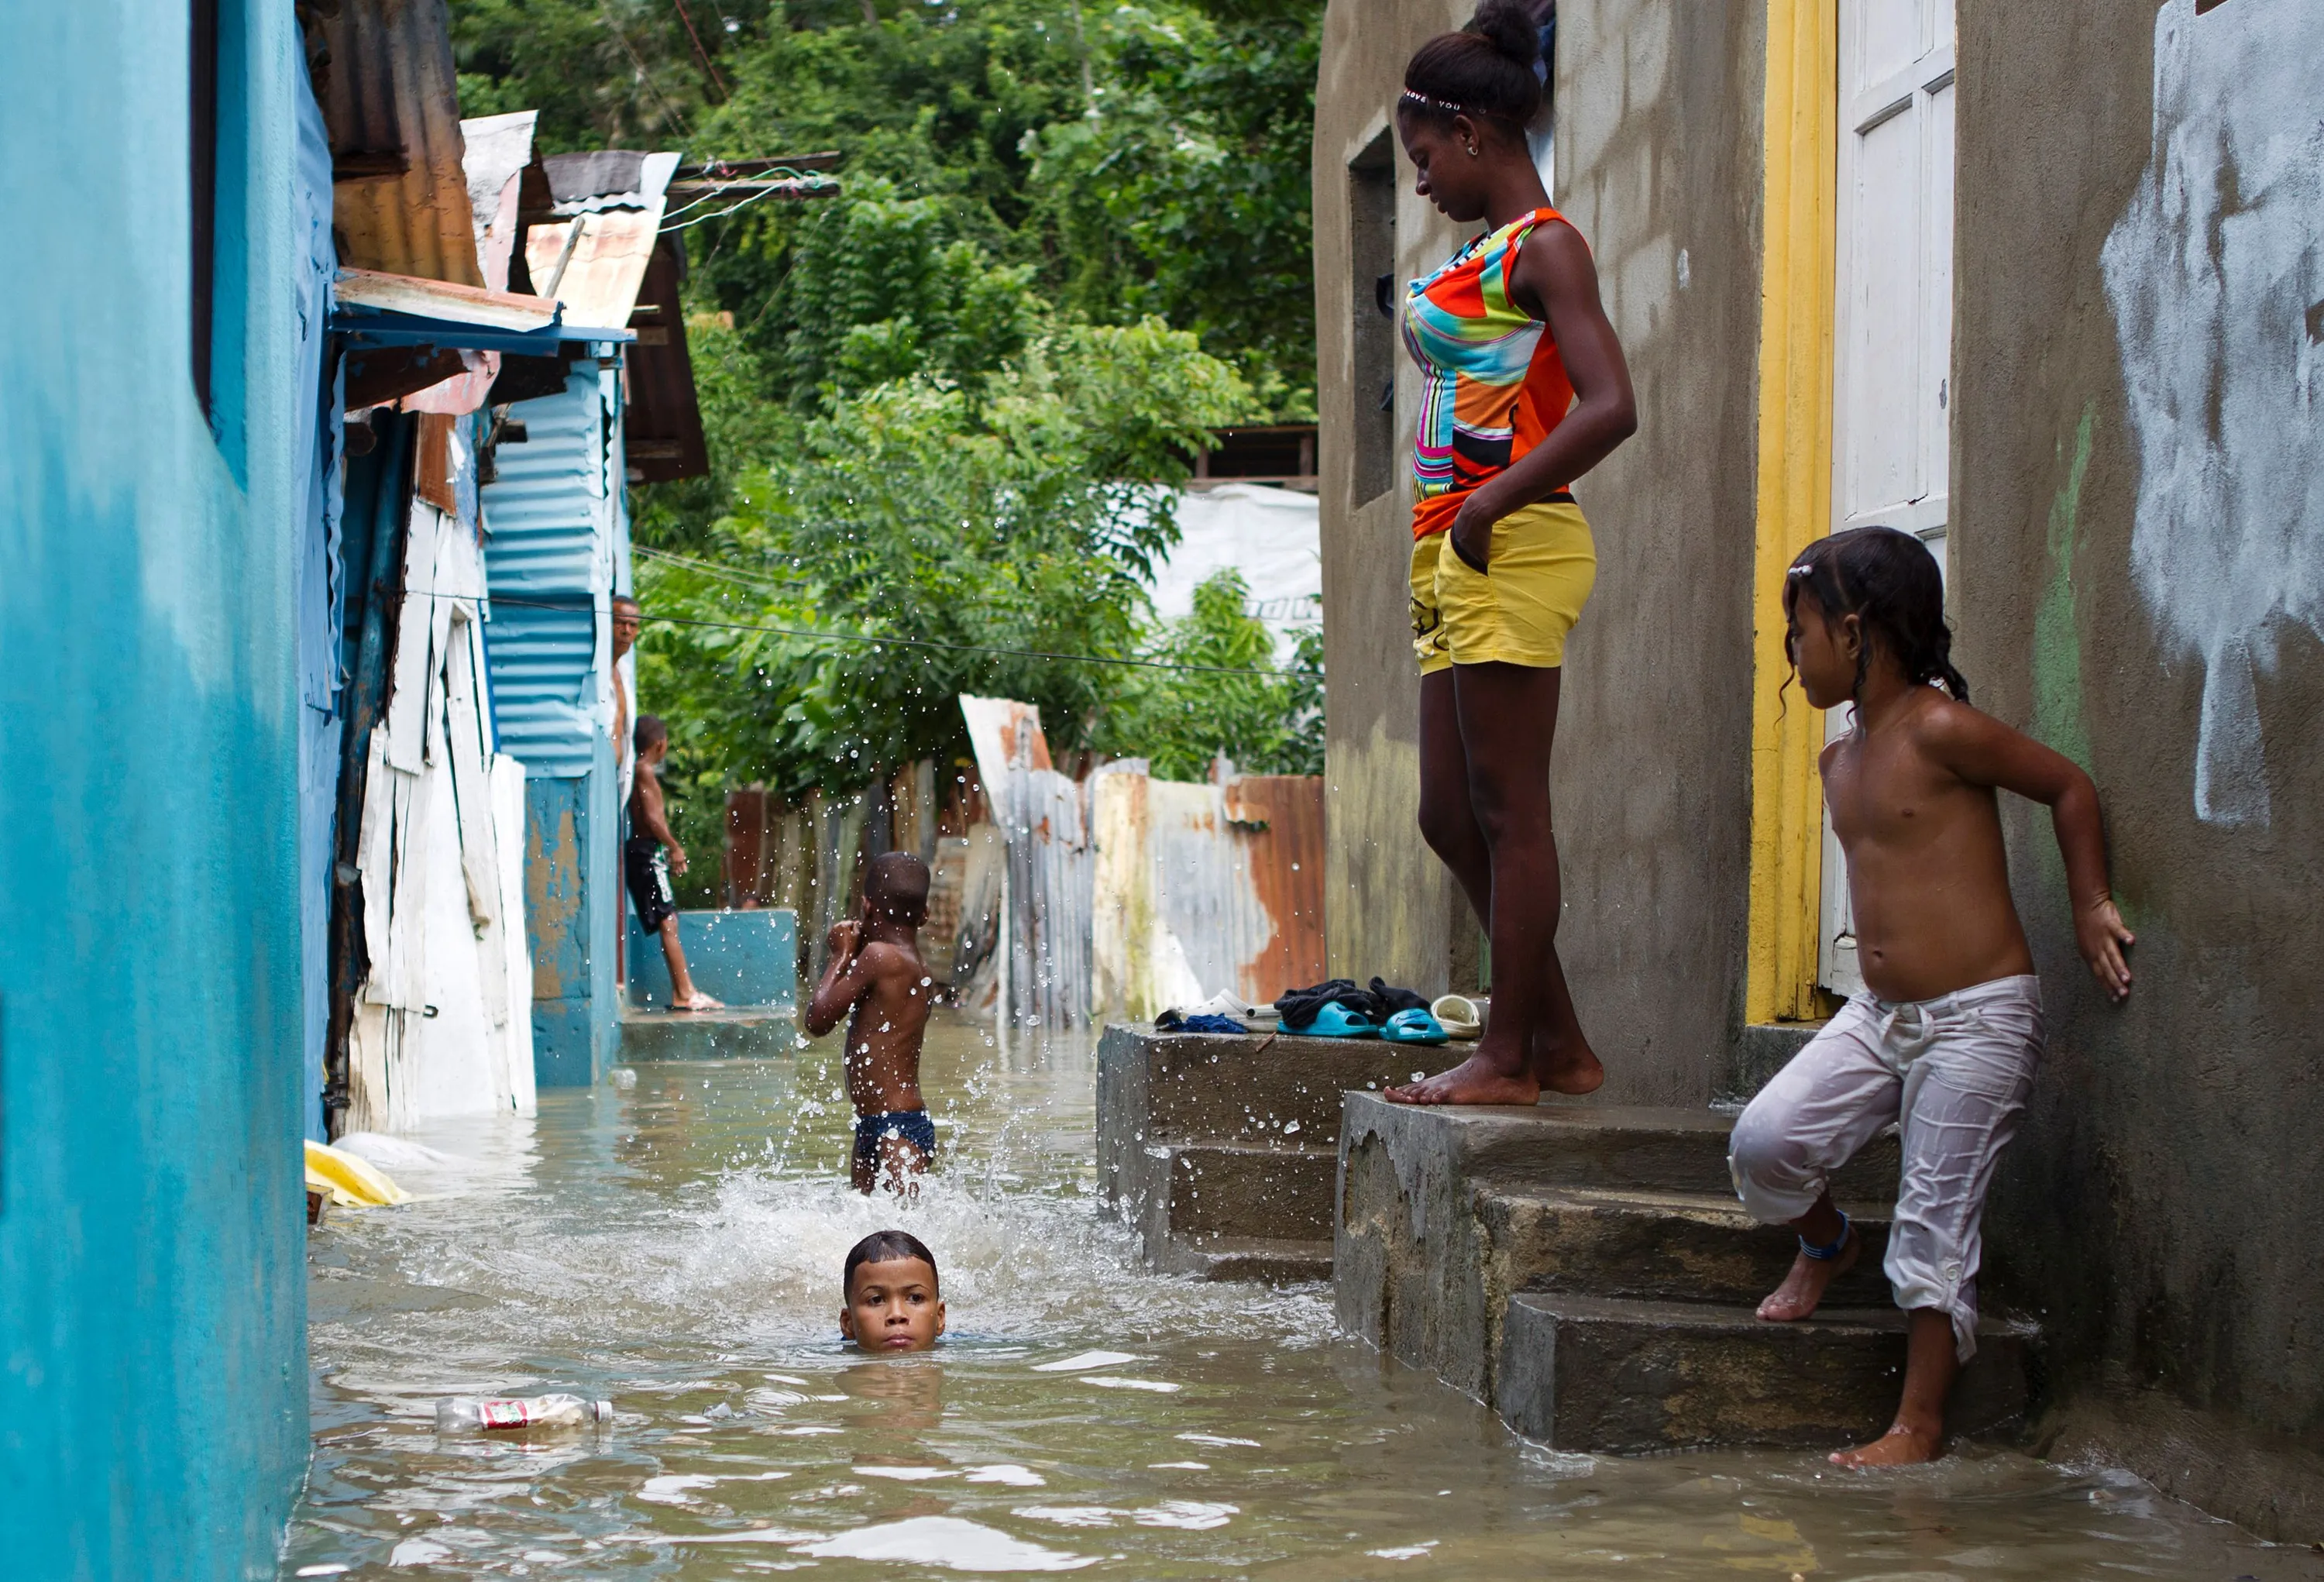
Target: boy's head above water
[(896, 889), (893, 1304)]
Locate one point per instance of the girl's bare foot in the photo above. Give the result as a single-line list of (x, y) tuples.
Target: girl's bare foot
[(1904, 1445), (1803, 1287), (1482, 1079)]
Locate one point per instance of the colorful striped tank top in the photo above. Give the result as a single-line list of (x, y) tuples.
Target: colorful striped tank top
[(1494, 386)]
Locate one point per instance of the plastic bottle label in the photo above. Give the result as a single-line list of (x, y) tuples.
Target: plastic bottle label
[(503, 1414)]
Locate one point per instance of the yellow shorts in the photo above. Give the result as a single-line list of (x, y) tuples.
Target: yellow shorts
[(1542, 567)]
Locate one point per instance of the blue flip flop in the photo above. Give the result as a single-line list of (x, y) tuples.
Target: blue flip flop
[(1336, 1021), (1413, 1026)]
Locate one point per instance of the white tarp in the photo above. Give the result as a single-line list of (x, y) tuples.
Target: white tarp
[(443, 1023), (1272, 536)]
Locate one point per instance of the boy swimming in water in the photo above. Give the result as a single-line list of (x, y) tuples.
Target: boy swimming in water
[(893, 1303), (875, 971), (1946, 1035)]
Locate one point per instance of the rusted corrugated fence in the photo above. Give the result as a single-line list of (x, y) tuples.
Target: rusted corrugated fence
[(1060, 903), (1127, 894)]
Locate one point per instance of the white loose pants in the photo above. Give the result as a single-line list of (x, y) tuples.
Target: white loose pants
[(1954, 1072)]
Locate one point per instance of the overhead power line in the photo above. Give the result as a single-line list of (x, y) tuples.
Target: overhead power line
[(506, 601)]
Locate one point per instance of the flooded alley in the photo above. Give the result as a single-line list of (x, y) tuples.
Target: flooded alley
[(675, 1246)]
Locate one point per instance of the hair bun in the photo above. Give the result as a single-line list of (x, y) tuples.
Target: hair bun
[(1509, 25)]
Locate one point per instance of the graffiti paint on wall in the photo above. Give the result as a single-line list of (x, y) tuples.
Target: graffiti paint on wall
[(2215, 274)]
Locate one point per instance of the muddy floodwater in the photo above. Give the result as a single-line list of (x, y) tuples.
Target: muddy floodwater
[(674, 1246)]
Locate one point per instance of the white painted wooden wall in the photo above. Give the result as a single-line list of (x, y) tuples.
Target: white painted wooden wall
[(1894, 308), (443, 1023)]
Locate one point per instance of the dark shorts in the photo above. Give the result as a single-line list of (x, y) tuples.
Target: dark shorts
[(648, 871), (913, 1126)]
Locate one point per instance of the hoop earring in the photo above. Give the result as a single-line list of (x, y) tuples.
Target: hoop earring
[(1473, 151)]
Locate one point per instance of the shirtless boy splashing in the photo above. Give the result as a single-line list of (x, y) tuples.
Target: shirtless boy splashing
[(1946, 1035), (875, 971)]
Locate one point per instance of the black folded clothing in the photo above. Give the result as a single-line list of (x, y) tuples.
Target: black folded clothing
[(1379, 1002)]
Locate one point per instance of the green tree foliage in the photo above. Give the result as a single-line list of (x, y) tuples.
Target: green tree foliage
[(1180, 720), (965, 524), (1129, 160), (950, 404)]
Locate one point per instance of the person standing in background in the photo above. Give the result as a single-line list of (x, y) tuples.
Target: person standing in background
[(648, 869), (627, 616)]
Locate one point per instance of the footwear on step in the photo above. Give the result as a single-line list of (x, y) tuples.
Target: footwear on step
[(1458, 1016), (1336, 1021), (1413, 1027)]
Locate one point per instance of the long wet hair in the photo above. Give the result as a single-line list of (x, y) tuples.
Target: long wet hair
[(1890, 583), (1487, 71), (884, 1246)]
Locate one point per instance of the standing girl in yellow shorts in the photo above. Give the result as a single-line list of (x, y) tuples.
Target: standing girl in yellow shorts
[(1525, 391)]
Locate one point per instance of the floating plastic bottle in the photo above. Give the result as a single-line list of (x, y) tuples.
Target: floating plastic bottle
[(467, 1414)]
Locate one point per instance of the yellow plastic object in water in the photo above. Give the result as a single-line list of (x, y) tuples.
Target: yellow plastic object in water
[(351, 1182)]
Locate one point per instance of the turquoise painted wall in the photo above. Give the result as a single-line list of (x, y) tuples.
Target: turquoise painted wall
[(153, 1362), (572, 881), (743, 958)]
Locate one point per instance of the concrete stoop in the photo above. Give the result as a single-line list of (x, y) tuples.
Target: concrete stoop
[(738, 1033), (1586, 1269), (1222, 1150)]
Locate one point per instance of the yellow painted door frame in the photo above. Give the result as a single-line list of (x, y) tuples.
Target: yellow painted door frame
[(1794, 505)]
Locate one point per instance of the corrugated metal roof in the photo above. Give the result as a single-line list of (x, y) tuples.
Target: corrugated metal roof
[(390, 98), (375, 291), (498, 149), (609, 178), (599, 284)]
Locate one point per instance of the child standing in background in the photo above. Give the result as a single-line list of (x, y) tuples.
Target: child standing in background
[(875, 971), (1947, 1033)]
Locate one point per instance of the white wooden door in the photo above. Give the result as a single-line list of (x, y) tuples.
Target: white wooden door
[(1894, 313)]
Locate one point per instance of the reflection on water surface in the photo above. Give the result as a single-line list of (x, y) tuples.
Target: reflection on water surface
[(675, 1246)]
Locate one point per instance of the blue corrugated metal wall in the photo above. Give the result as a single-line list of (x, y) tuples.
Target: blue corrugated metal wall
[(549, 530), (555, 542), (153, 1402)]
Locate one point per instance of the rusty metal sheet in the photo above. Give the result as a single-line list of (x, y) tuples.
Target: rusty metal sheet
[(1199, 889), (419, 297), (400, 194), (1004, 733), (1276, 823)]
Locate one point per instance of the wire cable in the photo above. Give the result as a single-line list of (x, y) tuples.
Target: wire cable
[(862, 637), (799, 186)]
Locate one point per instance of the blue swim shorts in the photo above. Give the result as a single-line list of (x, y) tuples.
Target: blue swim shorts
[(913, 1126)]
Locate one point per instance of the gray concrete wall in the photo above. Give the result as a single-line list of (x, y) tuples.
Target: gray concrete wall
[(1659, 166), (2163, 1197), (1391, 908)]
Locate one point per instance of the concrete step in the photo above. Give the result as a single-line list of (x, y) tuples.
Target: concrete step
[(1192, 1130), (1573, 1143), (1199, 1088), (1261, 1259), (1613, 1376), (1418, 1268), (1239, 1189), (1670, 1246), (739, 1032)]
